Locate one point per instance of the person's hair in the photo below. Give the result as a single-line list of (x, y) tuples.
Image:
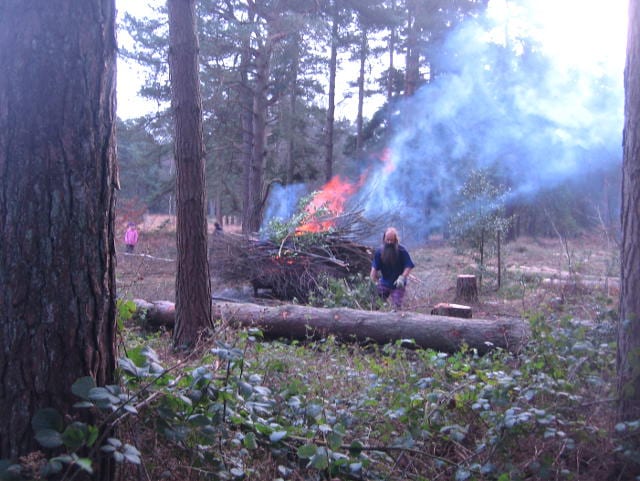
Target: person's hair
[(391, 230), (389, 254)]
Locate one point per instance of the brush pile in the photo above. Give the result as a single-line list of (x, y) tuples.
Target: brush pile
[(293, 265)]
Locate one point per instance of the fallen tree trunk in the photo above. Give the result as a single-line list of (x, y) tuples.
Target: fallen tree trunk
[(156, 314), (440, 333), (447, 334)]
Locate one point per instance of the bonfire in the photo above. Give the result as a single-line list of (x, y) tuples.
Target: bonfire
[(297, 257)]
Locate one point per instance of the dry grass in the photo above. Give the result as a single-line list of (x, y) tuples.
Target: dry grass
[(536, 272)]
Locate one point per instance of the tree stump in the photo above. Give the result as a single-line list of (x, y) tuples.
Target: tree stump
[(451, 310), (466, 288)]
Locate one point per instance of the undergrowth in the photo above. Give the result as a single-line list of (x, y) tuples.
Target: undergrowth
[(243, 408), (246, 409)]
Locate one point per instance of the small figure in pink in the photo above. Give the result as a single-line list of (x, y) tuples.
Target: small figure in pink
[(131, 237)]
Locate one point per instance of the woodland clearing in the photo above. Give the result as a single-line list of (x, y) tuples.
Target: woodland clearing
[(325, 410), (536, 272)]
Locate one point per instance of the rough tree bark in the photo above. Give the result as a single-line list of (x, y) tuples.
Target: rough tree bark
[(628, 358), (258, 52), (246, 120), (412, 57), (331, 107), (302, 322), (262, 61), (393, 35), (364, 53), (193, 285), (57, 180), (292, 131), (466, 288)]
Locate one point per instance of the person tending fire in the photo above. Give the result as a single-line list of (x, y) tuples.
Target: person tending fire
[(391, 267)]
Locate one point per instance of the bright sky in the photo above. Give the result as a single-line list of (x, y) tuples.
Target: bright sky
[(130, 78), (582, 34), (576, 33)]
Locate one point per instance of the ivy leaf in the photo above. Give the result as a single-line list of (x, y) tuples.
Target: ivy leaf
[(277, 436), (103, 397), (150, 354), (199, 420), (82, 387), (249, 441), (263, 429), (128, 366), (307, 451), (334, 440), (320, 460), (85, 464), (74, 436), (114, 442), (131, 454), (245, 389), (49, 438), (356, 448), (137, 356)]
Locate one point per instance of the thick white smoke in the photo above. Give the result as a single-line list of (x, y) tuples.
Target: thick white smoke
[(537, 112), (533, 89)]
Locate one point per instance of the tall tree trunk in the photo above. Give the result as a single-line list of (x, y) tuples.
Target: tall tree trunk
[(57, 180), (331, 108), (259, 122), (412, 60), (246, 121), (391, 76), (291, 122), (628, 359), (193, 285), (364, 51)]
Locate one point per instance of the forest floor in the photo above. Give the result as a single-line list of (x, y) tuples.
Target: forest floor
[(554, 272), (552, 278)]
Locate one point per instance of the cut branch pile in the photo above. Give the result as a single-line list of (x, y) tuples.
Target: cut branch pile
[(291, 269)]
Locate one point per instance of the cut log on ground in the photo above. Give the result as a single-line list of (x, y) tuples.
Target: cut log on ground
[(466, 288), (451, 310), (156, 314), (446, 334)]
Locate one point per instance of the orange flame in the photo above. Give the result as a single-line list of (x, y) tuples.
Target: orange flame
[(334, 195), (332, 198)]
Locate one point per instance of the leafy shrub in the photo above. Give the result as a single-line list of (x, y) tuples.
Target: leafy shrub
[(479, 217), (355, 292)]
